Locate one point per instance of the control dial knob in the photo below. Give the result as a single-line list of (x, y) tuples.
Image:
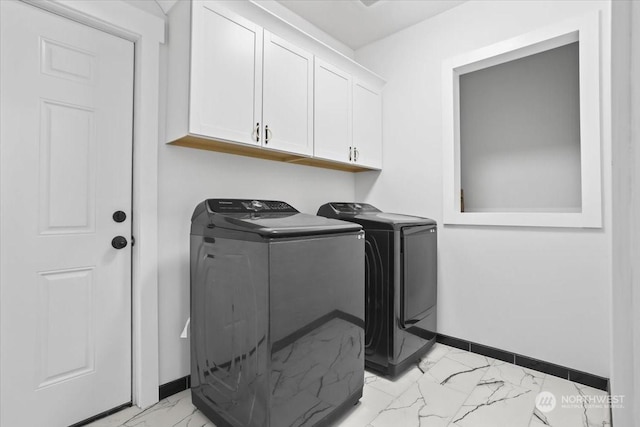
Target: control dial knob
[(256, 205)]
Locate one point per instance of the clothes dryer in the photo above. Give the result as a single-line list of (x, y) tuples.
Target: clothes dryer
[(400, 284)]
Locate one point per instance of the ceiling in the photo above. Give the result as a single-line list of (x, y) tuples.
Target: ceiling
[(356, 25), (348, 21)]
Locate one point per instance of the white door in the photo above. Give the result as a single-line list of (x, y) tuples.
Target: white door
[(332, 113), (65, 167), (367, 126), (226, 75), (287, 103)]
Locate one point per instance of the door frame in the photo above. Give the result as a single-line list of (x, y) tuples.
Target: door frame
[(147, 32)]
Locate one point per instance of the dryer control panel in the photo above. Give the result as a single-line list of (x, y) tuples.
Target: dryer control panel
[(344, 208)]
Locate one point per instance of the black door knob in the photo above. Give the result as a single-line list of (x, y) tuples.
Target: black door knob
[(119, 242), (119, 216)]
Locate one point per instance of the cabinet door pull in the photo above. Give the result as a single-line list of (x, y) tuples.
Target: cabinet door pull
[(350, 153), (257, 132), (356, 154), (267, 134)]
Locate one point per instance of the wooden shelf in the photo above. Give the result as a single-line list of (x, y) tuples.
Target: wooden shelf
[(328, 164), (202, 143)]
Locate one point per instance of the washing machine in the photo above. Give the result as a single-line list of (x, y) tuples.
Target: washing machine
[(277, 314), (400, 284)]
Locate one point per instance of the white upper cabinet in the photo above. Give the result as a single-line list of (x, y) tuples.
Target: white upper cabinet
[(241, 80), (367, 126), (332, 113), (287, 96), (226, 76), (347, 118)]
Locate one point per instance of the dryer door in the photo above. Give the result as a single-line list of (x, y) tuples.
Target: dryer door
[(419, 272)]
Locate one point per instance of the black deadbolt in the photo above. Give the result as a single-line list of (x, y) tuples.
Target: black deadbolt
[(119, 216), (119, 242)]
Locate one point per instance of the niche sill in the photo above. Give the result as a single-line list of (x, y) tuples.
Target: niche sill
[(525, 219)]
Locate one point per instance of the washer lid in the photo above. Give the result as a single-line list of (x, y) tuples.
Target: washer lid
[(271, 218)]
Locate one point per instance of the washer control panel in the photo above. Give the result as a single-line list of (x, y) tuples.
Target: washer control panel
[(247, 205)]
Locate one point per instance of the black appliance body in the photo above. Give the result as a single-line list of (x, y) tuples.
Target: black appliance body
[(400, 284), (277, 316)]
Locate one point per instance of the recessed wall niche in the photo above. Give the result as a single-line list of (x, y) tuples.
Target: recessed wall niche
[(521, 130)]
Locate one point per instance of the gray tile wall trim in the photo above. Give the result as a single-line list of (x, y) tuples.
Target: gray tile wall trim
[(174, 387), (580, 377), (595, 381), (103, 414)]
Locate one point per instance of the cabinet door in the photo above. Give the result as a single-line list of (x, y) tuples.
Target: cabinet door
[(332, 113), (287, 96), (367, 126), (226, 75)]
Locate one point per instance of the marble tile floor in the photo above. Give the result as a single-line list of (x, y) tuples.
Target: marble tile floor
[(449, 387)]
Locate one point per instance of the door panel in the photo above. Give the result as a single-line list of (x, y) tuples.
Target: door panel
[(332, 113), (287, 96), (65, 332), (367, 125), (67, 175), (419, 272), (226, 75), (66, 98), (67, 62)]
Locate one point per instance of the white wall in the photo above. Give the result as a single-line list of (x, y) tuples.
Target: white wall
[(623, 152), (635, 236), (544, 293)]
